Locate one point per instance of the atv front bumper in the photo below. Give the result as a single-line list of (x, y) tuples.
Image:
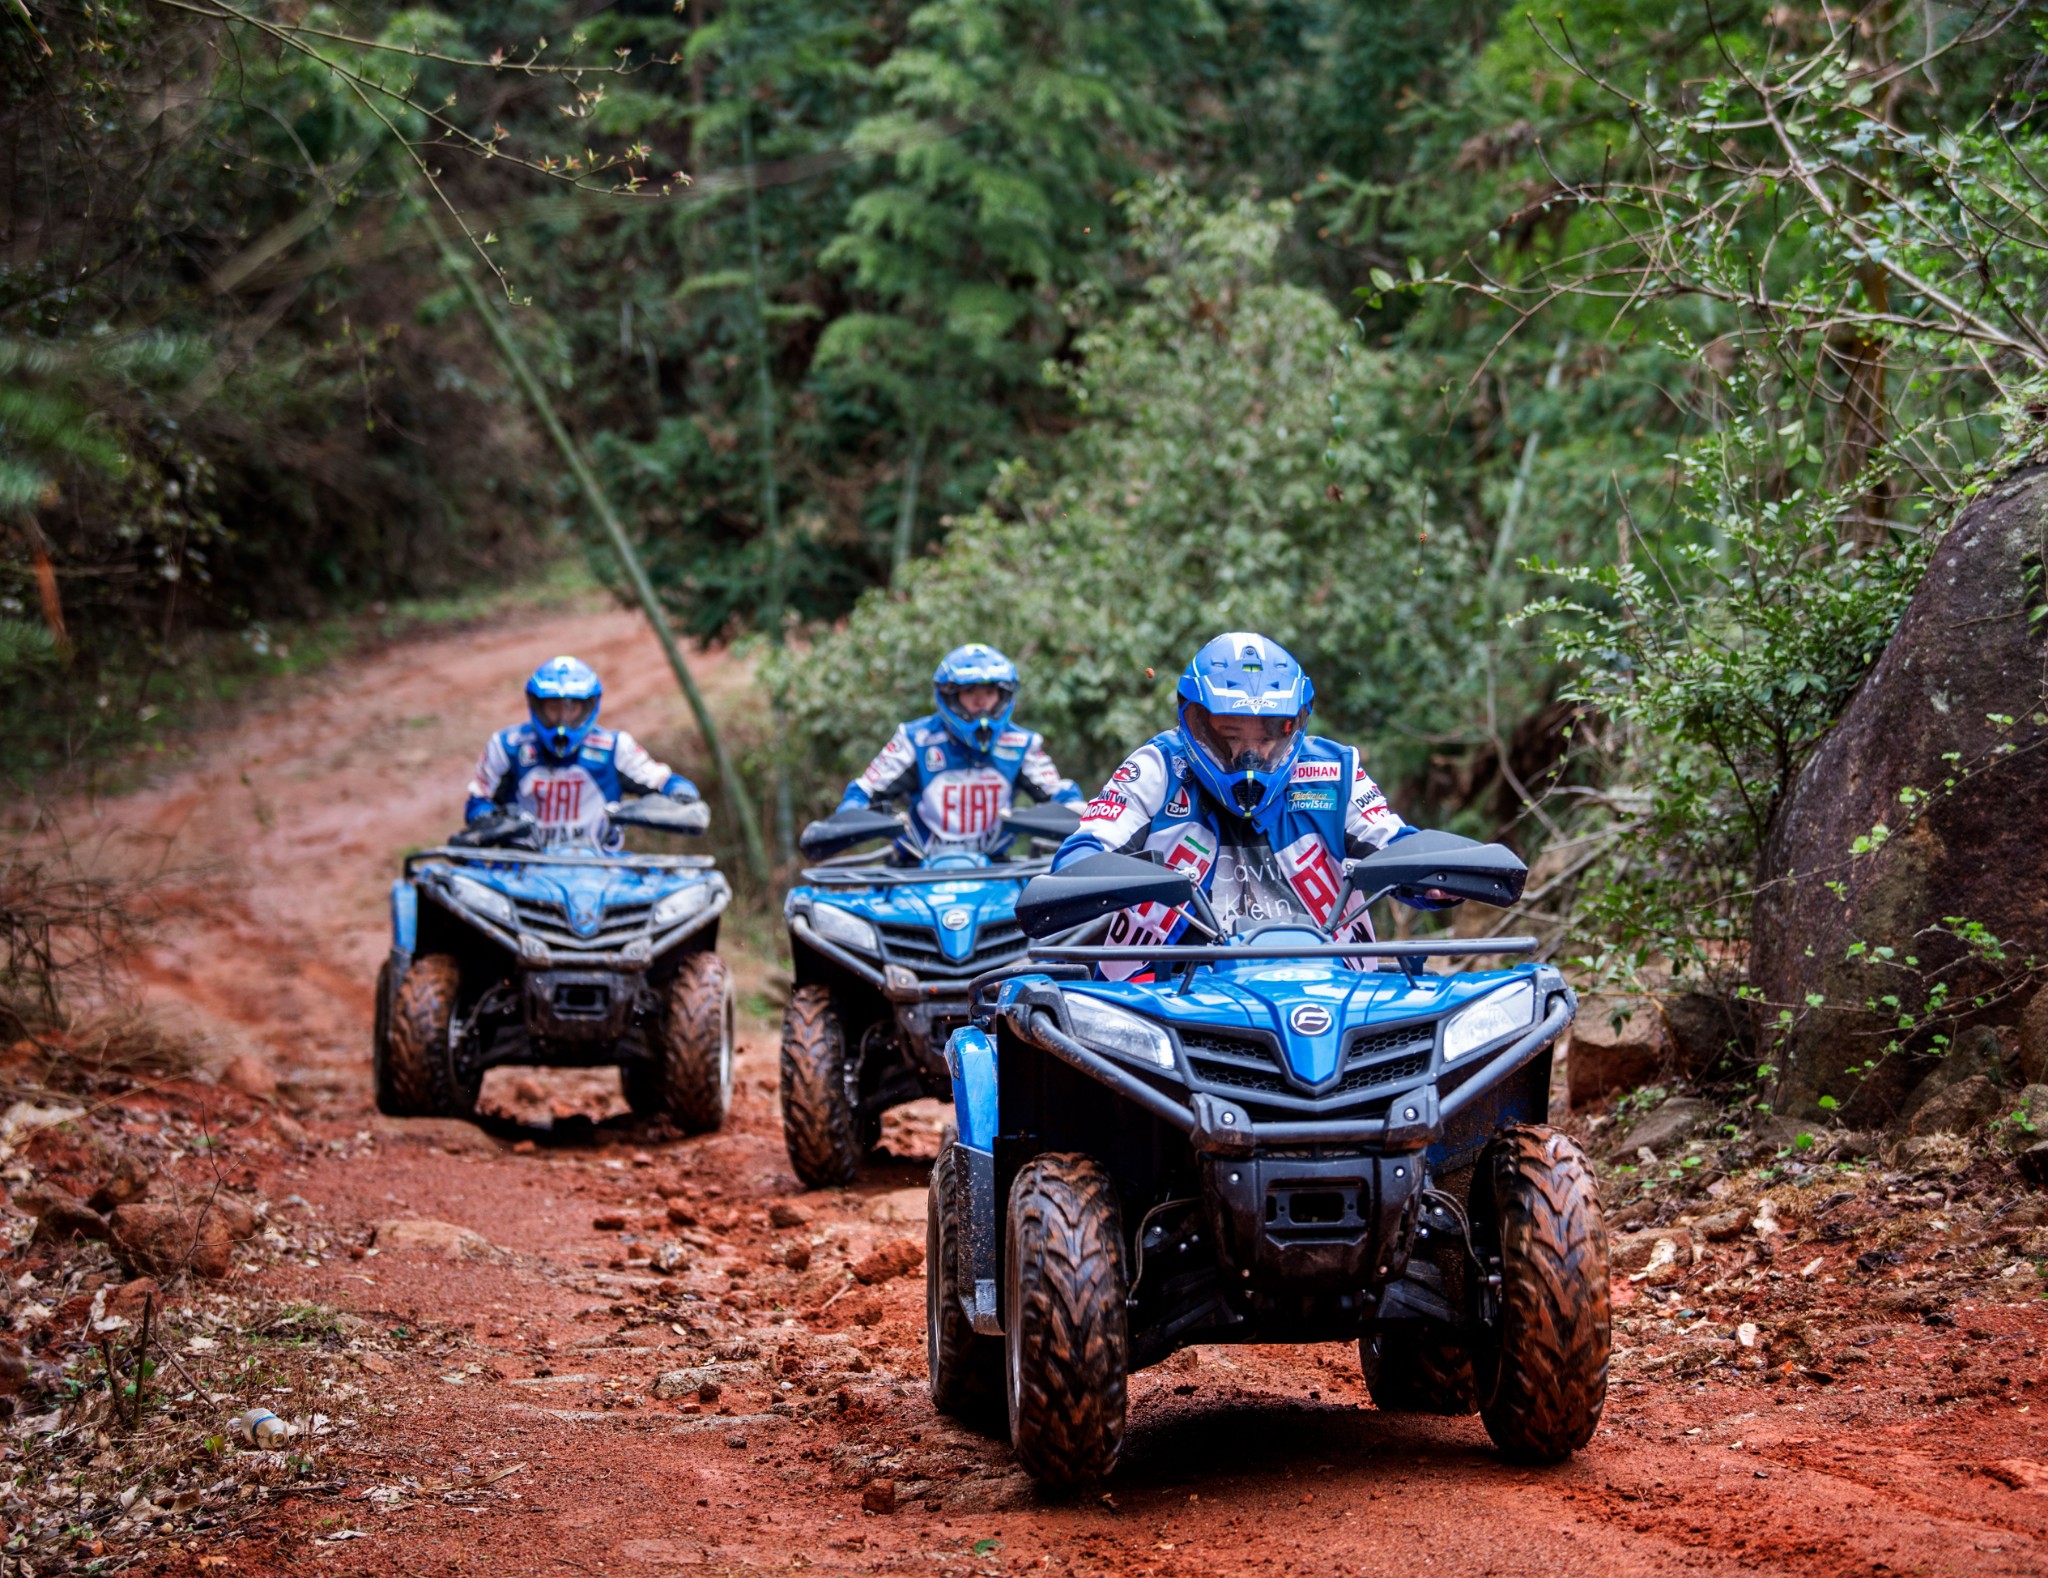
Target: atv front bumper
[(1217, 1127)]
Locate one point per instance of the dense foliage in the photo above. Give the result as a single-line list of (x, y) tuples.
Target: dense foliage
[(1201, 491), (1580, 395)]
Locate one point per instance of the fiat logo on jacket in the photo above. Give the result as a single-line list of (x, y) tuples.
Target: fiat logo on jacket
[(1310, 1019)]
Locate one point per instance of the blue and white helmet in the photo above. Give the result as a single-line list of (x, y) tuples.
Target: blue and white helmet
[(562, 698), (961, 668), (1257, 686)]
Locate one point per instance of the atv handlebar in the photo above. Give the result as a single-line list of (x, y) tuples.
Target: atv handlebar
[(1177, 957)]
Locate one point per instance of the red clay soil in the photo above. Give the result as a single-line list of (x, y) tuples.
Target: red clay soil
[(509, 1420)]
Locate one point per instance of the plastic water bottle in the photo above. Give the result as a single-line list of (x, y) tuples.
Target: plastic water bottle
[(259, 1427)]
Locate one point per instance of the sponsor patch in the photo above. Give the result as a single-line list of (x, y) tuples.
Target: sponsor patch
[(935, 759), (1179, 805), (1309, 1019), (1311, 799), (1127, 773), (1106, 806), (1316, 772)]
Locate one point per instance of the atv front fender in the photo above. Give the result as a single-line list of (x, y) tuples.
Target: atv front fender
[(971, 1061), (405, 916)]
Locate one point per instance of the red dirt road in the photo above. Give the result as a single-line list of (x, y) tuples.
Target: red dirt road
[(1887, 1421)]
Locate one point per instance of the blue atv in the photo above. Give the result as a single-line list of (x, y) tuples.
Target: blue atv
[(1267, 1137), (506, 952), (883, 955)]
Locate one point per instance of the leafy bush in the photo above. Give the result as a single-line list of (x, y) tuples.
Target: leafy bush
[(1196, 497)]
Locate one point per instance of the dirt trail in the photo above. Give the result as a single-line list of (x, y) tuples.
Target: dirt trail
[(506, 1417)]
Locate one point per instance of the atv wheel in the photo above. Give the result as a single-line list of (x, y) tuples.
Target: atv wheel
[(966, 1368), (390, 1101), (688, 1076), (1066, 1346), (419, 1062), (818, 1123), (1418, 1368), (1552, 1342)]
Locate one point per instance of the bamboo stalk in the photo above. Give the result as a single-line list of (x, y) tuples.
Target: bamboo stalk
[(771, 497), (515, 361), (906, 506)]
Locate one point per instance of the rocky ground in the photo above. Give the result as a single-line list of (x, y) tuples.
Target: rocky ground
[(564, 1342)]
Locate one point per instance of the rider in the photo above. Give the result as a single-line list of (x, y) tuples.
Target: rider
[(560, 769), (1259, 812), (959, 767)]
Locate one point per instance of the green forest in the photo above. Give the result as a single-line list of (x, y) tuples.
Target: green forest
[(1583, 394)]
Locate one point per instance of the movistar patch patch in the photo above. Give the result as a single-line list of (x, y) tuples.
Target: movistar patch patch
[(1312, 799)]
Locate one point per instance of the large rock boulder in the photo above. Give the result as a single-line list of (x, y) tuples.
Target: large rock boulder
[(1923, 722), (1618, 1043)]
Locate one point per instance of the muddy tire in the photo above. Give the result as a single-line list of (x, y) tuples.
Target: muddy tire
[(1549, 1354), (818, 1119), (688, 1078), (1418, 1368), (1066, 1348), (966, 1368), (419, 1062), (391, 1101)]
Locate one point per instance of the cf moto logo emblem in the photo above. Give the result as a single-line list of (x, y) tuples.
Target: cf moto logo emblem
[(954, 920), (1310, 1019)]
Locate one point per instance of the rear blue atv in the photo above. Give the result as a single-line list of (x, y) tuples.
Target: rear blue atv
[(882, 956), (1265, 1138), (564, 957)]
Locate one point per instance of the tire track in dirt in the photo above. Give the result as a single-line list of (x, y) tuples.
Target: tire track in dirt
[(805, 1388)]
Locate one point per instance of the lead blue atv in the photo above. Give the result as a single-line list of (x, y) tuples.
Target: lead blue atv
[(883, 954), (1266, 1137), (506, 952)]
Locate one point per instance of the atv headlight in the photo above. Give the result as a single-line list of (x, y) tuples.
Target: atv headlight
[(1493, 1016), (1118, 1033), (679, 907), (488, 902), (848, 930)]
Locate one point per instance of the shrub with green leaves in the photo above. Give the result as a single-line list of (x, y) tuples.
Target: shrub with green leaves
[(1195, 498)]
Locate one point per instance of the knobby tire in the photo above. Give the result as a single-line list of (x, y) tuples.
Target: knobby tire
[(419, 1062), (1554, 1336), (1067, 1345), (965, 1367), (818, 1123), (689, 1076)]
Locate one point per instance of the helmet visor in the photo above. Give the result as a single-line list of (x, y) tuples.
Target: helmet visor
[(974, 702), (1240, 744), (563, 712)]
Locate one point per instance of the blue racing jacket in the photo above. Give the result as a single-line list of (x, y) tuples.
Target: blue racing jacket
[(568, 797), (957, 795), (1286, 866)]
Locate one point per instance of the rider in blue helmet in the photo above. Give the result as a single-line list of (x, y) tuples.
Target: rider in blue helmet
[(559, 769), (1241, 796), (959, 767)]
